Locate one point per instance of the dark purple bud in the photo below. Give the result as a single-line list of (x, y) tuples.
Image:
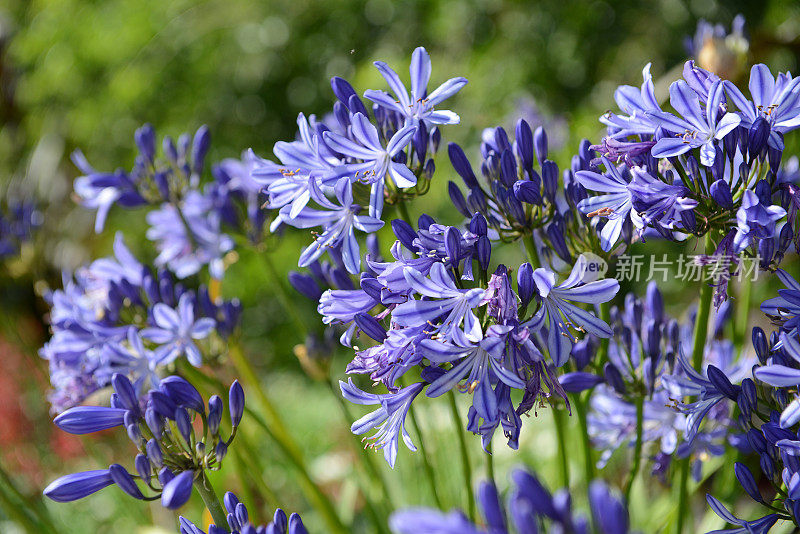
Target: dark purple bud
[(745, 408), (370, 326), (221, 450), (525, 285), (689, 220), (355, 105), (425, 221), (540, 143), (164, 476), (305, 285), (430, 169), (490, 505), (586, 153), (236, 403), (614, 378), (184, 424), (143, 467), (126, 392), (721, 382), (767, 466), (764, 192), (420, 141), (756, 440), (757, 137), (183, 393), (693, 169), (556, 236), (508, 168), (729, 142), (476, 200), (528, 192), (88, 419), (774, 156), (501, 139), (742, 137), (609, 513), (231, 501), (342, 114), (200, 145), (154, 453), (478, 225), (161, 178), (342, 89), (484, 252), (154, 422), (652, 340), (582, 352), (673, 334), (766, 250), (550, 179), (457, 197), (78, 485), (241, 514), (162, 404), (134, 433), (718, 168), (721, 193), (749, 391), (452, 245), (214, 414), (125, 481), (654, 302), (177, 491), (279, 520), (578, 381), (436, 139), (404, 233), (296, 525), (760, 344), (461, 165), (145, 138), (524, 143)]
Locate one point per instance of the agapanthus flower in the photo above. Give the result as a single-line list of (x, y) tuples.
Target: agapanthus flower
[(755, 221), (175, 331), (657, 202), (239, 521), (376, 159), (388, 419), (528, 504), (775, 99), (556, 314), (785, 308), (339, 223), (699, 127), (615, 204), (419, 105), (637, 103), (167, 463)]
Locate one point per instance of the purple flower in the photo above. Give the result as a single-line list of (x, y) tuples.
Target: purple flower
[(339, 222), (445, 300), (775, 99), (785, 308), (759, 526), (376, 160), (695, 129), (615, 204), (176, 330), (637, 103), (389, 419), (558, 315), (78, 485), (420, 105), (754, 221), (658, 202)]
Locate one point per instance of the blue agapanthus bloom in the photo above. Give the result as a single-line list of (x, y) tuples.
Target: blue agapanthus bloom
[(117, 316), (528, 505), (755, 221), (637, 103), (239, 522), (557, 316), (698, 126), (785, 308), (171, 459), (419, 105)]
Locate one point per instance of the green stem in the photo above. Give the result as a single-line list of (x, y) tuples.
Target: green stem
[(580, 411), (462, 445), (283, 295), (637, 453), (490, 464), (203, 486), (425, 460), (561, 440), (698, 349), (275, 427)]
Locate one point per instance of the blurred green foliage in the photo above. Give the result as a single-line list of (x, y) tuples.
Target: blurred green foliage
[(84, 74)]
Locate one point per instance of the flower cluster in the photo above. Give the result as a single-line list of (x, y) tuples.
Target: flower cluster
[(529, 504), (352, 155), (239, 522), (117, 315), (172, 455)]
